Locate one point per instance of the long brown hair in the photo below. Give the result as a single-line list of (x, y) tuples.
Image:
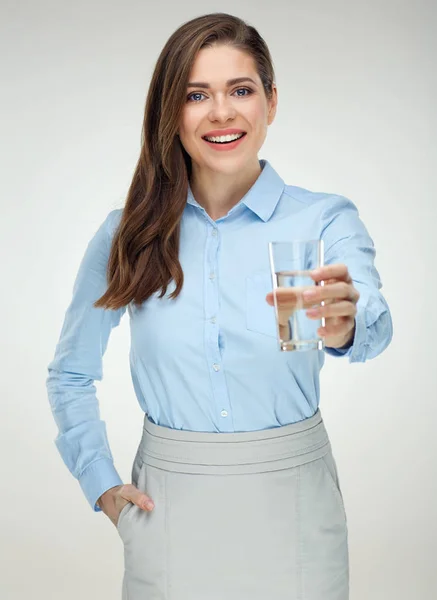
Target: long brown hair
[(144, 255)]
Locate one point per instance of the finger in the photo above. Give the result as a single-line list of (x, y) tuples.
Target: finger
[(327, 300), (334, 309), (291, 294), (143, 500), (287, 298), (339, 289), (137, 497), (291, 299), (337, 271), (295, 298)]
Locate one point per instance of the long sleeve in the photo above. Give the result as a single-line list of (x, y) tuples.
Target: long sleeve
[(82, 439), (347, 241)]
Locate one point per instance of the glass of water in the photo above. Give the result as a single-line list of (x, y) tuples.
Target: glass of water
[(291, 263)]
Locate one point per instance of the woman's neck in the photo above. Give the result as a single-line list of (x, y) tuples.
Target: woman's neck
[(218, 192)]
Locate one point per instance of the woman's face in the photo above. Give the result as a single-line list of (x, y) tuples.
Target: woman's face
[(213, 105)]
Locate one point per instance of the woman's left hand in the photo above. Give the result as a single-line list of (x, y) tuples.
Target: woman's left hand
[(340, 298)]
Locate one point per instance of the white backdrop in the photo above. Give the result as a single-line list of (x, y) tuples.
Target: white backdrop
[(356, 116)]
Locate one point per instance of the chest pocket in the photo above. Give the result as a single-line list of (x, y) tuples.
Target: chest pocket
[(260, 316)]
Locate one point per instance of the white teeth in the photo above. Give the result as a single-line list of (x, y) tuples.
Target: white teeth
[(225, 138)]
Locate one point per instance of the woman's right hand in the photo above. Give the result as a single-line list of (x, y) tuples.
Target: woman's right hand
[(115, 499)]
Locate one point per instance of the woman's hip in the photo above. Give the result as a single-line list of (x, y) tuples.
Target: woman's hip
[(246, 515)]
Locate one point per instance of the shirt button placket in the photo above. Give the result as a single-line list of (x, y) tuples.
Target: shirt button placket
[(212, 330)]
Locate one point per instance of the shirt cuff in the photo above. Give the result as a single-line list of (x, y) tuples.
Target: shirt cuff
[(357, 351), (98, 477)]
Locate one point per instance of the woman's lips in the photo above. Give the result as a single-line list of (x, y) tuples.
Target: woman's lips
[(224, 147)]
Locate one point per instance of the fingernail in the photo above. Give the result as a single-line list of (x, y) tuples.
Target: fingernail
[(309, 294), (149, 505)]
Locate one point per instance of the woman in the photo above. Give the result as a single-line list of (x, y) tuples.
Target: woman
[(234, 492)]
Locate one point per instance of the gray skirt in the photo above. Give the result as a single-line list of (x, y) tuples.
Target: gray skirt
[(238, 516)]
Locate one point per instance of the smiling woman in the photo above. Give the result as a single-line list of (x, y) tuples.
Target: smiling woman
[(241, 115), (234, 490), (175, 156)]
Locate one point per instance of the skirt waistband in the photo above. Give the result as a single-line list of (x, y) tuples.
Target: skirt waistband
[(240, 452)]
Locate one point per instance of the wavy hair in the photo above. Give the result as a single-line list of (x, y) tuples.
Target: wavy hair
[(144, 254)]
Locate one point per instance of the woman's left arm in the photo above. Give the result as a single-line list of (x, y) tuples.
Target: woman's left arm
[(358, 322)]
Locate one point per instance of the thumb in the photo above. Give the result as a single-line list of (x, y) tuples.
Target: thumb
[(139, 498)]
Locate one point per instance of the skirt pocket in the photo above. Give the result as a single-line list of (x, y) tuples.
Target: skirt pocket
[(144, 538), (122, 514), (138, 479), (324, 532), (330, 467)]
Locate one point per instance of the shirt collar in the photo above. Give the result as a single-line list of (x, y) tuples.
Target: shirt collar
[(263, 196)]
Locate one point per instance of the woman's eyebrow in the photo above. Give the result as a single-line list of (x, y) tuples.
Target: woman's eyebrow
[(204, 84)]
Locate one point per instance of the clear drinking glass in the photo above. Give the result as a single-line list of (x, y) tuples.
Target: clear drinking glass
[(290, 264)]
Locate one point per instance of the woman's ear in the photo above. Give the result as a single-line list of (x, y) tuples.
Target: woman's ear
[(272, 105)]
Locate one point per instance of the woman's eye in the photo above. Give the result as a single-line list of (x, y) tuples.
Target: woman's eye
[(195, 94), (249, 91), (192, 98)]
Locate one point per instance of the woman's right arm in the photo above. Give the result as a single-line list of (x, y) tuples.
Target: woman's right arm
[(82, 439)]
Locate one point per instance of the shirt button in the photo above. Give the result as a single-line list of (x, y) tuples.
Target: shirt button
[(214, 233), (213, 320), (216, 367), (212, 275), (224, 413)]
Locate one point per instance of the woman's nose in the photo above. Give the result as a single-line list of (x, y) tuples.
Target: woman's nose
[(222, 110)]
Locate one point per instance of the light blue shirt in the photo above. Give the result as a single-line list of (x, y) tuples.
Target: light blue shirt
[(210, 360)]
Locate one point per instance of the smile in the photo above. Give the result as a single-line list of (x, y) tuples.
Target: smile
[(227, 142)]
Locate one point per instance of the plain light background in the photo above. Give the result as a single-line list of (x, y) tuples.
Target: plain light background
[(356, 116)]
